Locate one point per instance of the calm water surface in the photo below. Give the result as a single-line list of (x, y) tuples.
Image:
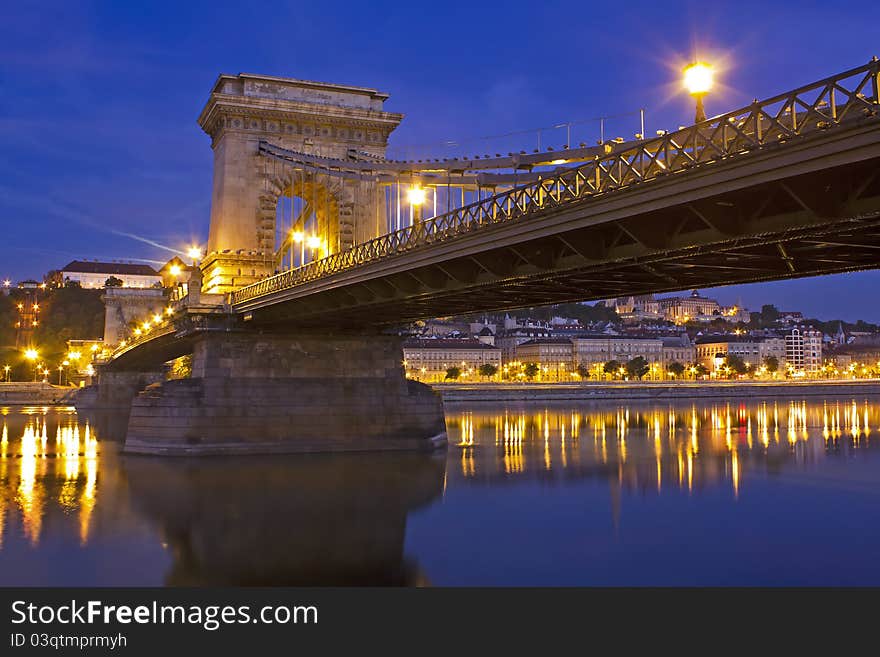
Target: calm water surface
[(775, 492)]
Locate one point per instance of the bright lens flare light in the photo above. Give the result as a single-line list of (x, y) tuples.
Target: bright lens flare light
[(314, 242), (298, 236), (194, 252), (31, 354), (698, 78), (175, 270), (416, 195)]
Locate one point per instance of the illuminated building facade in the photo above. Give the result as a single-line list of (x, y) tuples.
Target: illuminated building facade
[(428, 360), (599, 349), (803, 349), (552, 355), (712, 351), (91, 274)]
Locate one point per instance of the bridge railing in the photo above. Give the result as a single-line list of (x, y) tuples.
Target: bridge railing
[(841, 98)]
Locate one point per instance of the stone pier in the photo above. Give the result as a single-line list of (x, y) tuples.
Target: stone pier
[(115, 390), (288, 393)]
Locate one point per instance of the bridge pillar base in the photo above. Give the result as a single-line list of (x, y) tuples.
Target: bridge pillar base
[(115, 391), (254, 393)]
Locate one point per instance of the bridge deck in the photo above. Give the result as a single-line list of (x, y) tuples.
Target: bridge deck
[(783, 188)]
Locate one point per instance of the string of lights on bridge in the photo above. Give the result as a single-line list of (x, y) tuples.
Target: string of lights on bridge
[(698, 80)]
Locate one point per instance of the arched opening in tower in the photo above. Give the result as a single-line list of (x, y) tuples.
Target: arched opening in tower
[(306, 222)]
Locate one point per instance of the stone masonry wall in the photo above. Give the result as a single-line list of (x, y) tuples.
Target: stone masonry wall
[(296, 393)]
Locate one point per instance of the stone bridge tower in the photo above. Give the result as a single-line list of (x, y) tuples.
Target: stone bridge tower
[(308, 117)]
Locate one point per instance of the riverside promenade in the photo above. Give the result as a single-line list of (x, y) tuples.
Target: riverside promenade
[(38, 393), (651, 390)]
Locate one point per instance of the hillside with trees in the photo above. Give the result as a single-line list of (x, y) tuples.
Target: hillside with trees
[(65, 313)]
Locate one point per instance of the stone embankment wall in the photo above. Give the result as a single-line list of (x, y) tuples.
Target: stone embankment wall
[(34, 394), (652, 391)]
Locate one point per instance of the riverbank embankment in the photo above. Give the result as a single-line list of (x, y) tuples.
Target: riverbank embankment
[(34, 394), (652, 391)]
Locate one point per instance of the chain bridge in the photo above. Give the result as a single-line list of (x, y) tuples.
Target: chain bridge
[(318, 243)]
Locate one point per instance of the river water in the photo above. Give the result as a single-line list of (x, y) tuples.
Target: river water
[(775, 492)]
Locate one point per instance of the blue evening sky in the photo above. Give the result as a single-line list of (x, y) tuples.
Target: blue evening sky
[(101, 157)]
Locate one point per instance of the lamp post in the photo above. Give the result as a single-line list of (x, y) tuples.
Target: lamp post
[(195, 253), (416, 197), (6, 370), (314, 243), (698, 80), (31, 355), (299, 238)]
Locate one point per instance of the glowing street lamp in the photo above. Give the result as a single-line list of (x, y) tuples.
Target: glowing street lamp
[(175, 270), (31, 354), (314, 243), (698, 80), (195, 253), (416, 196), (299, 238), (6, 370)]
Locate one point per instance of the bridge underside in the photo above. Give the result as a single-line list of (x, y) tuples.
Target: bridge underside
[(822, 222)]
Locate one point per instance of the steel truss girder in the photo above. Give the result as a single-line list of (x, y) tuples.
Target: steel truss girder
[(846, 99), (791, 246)]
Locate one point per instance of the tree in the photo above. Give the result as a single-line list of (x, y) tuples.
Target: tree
[(769, 314), (53, 278), (113, 282), (637, 367), (771, 363), (66, 313), (676, 369), (612, 367), (583, 312), (452, 373), (488, 370), (700, 370), (531, 370), (583, 371), (737, 364)]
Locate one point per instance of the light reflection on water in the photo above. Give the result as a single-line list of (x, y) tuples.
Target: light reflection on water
[(682, 446), (535, 479), (39, 472)]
